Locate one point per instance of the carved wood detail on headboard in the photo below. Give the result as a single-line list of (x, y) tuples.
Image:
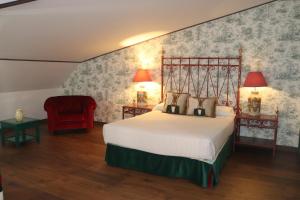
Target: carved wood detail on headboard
[(203, 77)]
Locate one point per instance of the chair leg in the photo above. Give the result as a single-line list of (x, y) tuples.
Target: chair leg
[(2, 138)]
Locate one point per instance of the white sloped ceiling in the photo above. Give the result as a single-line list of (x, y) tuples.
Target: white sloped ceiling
[(80, 29)]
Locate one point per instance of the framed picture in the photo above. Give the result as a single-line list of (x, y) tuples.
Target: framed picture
[(142, 98)]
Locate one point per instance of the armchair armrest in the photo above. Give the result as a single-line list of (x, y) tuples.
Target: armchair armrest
[(89, 108), (50, 106), (90, 104)]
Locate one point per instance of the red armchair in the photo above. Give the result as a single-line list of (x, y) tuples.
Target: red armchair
[(70, 112)]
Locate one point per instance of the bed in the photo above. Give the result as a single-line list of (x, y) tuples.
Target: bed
[(194, 148)]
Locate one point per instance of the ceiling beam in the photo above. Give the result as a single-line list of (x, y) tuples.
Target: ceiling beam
[(14, 3)]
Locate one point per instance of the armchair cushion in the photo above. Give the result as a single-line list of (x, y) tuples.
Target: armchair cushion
[(72, 117)]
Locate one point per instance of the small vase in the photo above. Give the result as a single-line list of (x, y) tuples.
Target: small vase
[(19, 115)]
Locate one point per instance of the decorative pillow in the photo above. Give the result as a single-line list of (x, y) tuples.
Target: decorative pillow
[(224, 111), (199, 112), (175, 103), (202, 106), (173, 109), (193, 103)]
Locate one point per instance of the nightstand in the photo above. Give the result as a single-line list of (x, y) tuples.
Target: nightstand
[(261, 122), (135, 110)]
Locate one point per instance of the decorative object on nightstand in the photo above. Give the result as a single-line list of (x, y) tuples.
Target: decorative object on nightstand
[(19, 115), (254, 79), (260, 121), (135, 110), (142, 75)]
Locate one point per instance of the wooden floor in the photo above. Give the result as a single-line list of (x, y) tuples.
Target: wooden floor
[(71, 166)]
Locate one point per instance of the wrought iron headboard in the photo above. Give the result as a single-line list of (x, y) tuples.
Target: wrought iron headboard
[(203, 77)]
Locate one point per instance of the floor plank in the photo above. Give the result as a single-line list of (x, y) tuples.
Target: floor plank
[(70, 165)]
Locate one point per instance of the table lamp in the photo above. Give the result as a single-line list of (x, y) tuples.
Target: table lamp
[(142, 75), (254, 79)]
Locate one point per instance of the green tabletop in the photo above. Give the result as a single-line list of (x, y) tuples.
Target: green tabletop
[(19, 128), (14, 122)]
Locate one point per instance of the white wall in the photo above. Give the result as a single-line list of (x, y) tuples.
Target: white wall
[(31, 101), (26, 85), (25, 75)]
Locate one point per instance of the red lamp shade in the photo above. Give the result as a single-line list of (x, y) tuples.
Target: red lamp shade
[(142, 75), (255, 79)]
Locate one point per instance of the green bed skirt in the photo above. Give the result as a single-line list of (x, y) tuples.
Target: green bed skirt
[(198, 172)]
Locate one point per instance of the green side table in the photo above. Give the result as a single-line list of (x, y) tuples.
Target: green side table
[(19, 129)]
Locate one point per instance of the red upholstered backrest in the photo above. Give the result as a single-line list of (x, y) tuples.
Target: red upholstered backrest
[(69, 104)]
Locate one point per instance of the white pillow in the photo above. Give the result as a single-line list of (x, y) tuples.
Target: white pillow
[(159, 107), (225, 111)]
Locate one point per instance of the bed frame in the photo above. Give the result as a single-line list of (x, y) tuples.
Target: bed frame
[(203, 77)]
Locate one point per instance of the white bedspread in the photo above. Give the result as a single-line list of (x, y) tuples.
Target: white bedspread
[(199, 138)]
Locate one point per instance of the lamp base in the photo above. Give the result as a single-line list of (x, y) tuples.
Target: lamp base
[(254, 104), (142, 98)]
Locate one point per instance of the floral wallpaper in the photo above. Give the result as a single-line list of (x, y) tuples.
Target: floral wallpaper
[(269, 35)]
